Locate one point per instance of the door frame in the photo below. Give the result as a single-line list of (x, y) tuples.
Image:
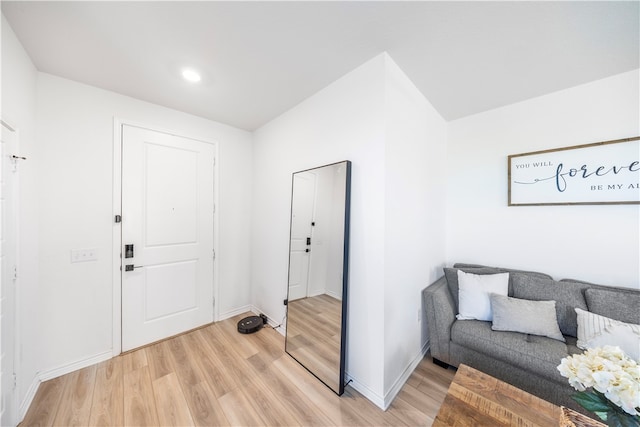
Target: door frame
[(15, 222), (117, 227)]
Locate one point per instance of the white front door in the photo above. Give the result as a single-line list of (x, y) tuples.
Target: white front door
[(8, 255), (167, 215), (302, 205)]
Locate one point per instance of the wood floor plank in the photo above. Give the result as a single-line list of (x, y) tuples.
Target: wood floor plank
[(408, 415), (182, 363), (78, 395), (134, 360), (215, 374), (139, 400), (245, 347), (107, 408), (170, 402), (419, 400), (223, 350), (190, 360), (367, 410), (159, 360), (46, 403), (268, 404), (296, 402), (205, 409), (269, 340), (325, 399), (239, 411)]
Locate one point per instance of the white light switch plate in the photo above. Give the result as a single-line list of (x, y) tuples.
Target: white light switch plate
[(82, 255)]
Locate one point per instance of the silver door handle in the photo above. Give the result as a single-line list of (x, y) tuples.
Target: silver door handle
[(130, 267)]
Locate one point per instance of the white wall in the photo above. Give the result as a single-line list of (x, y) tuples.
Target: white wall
[(19, 109), (75, 191), (344, 121), (415, 221), (375, 117), (594, 243)]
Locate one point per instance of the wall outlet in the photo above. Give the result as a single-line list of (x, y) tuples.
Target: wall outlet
[(83, 255)]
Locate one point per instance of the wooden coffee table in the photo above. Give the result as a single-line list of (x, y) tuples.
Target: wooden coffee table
[(477, 399)]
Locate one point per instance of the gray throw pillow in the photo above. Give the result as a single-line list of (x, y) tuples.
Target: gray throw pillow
[(567, 295), (524, 316), (621, 305)]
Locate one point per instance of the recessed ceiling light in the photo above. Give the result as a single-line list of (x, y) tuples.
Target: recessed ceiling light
[(191, 75)]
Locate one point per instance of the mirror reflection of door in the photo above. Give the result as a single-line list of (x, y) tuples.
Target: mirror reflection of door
[(318, 259), (304, 194)]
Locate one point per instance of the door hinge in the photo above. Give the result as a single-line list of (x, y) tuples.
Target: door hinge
[(214, 208), (15, 381), (15, 272), (118, 219), (214, 301), (214, 254), (14, 162)]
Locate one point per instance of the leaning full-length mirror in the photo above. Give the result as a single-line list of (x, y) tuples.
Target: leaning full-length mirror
[(318, 260)]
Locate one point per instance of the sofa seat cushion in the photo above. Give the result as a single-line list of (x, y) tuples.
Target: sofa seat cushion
[(536, 354)]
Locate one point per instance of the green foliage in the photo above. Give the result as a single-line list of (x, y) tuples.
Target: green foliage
[(596, 402)]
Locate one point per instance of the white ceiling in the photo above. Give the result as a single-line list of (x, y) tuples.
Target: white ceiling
[(259, 59)]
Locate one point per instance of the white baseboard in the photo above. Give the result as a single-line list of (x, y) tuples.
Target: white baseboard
[(374, 397), (402, 379), (28, 398), (383, 402), (74, 366), (234, 312), (270, 319), (334, 295), (55, 373)]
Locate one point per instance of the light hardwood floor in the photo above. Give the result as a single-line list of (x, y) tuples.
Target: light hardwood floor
[(313, 336), (216, 376)]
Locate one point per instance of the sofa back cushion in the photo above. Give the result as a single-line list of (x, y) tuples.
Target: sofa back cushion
[(617, 304), (451, 275), (567, 295)]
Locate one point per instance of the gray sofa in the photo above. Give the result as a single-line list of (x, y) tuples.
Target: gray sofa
[(526, 361)]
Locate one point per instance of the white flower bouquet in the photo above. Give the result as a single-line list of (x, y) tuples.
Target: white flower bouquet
[(608, 384)]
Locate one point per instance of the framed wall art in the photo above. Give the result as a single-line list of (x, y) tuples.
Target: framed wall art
[(592, 174)]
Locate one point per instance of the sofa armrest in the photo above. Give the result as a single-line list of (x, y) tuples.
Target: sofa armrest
[(441, 313)]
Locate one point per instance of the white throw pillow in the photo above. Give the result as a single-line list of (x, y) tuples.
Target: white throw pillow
[(474, 291), (597, 331)]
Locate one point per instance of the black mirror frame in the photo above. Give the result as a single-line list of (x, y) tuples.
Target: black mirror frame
[(345, 276)]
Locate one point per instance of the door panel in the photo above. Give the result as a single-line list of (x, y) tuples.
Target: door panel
[(172, 202), (167, 214), (175, 289)]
